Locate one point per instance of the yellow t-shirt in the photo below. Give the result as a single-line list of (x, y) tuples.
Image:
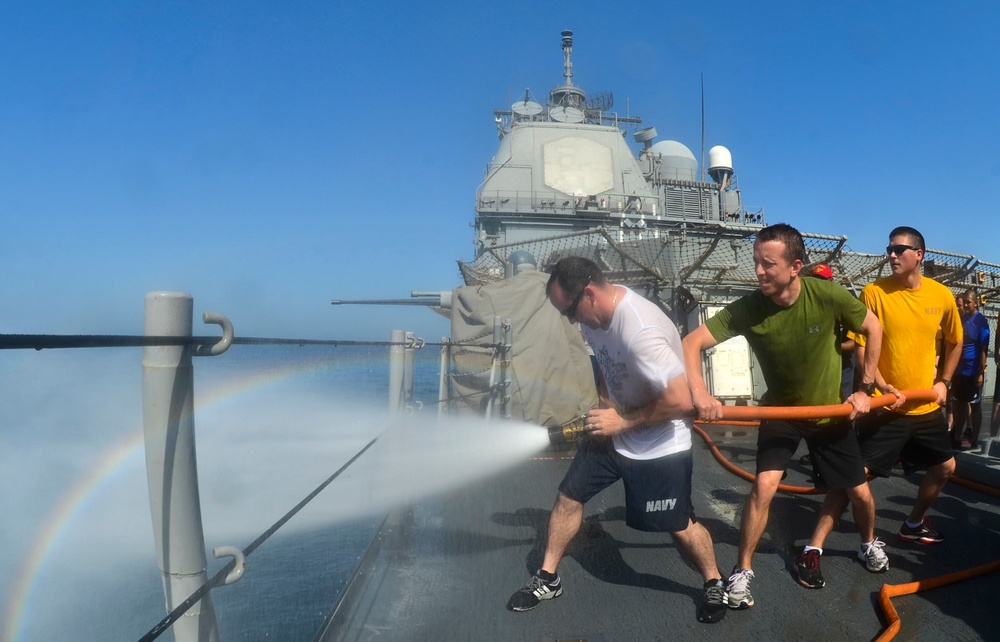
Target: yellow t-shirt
[(912, 321)]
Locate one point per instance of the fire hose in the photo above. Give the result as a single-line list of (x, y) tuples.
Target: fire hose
[(752, 415)]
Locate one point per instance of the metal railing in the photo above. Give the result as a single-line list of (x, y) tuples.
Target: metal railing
[(169, 437)]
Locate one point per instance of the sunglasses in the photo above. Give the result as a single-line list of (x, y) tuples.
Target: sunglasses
[(899, 249), (570, 312)]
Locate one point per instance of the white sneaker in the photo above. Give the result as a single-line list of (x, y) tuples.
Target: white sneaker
[(875, 559), (738, 589)]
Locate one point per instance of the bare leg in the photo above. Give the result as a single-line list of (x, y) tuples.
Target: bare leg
[(934, 480), (995, 420), (863, 507), (958, 426), (975, 422), (834, 505), (695, 543), (755, 514), (564, 524)]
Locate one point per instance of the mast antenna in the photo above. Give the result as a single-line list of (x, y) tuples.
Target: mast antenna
[(703, 127), (567, 46)]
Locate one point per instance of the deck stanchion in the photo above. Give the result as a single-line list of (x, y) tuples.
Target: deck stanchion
[(409, 352), (506, 351), (171, 466), (397, 362), (443, 367), (491, 403)]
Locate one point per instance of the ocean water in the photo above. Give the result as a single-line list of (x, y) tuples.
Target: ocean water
[(77, 557)]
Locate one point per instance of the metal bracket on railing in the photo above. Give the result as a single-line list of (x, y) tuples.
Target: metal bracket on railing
[(416, 343), (238, 557), (222, 344)]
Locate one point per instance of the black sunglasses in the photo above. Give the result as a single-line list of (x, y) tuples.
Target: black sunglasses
[(899, 249), (570, 312)]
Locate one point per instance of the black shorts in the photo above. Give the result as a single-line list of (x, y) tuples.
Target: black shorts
[(965, 388), (833, 449), (919, 441), (657, 491)]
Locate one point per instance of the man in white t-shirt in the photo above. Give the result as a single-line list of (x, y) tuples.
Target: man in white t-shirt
[(640, 433)]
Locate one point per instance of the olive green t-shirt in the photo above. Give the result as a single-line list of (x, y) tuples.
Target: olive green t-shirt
[(795, 346)]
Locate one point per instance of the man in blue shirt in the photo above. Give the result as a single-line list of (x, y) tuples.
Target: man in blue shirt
[(967, 387)]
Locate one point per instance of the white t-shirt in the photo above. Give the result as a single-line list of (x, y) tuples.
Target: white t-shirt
[(638, 355)]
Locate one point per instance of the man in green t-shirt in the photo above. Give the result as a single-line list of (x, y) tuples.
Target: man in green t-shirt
[(791, 326)]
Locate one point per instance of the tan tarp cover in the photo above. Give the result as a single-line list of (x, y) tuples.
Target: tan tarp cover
[(552, 380)]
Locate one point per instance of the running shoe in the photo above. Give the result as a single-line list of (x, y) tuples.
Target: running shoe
[(923, 534), (807, 569), (713, 608), (542, 586), (874, 557), (738, 589)]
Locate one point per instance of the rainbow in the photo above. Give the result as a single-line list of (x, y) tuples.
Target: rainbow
[(57, 525), (128, 451)]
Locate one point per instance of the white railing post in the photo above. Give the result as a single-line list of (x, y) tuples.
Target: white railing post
[(444, 365), (410, 351), (507, 351), (171, 466), (397, 366)]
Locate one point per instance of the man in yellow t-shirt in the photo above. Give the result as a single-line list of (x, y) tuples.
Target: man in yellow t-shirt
[(914, 311)]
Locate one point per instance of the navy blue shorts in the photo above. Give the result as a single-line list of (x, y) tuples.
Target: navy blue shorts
[(919, 441), (833, 449), (657, 491)]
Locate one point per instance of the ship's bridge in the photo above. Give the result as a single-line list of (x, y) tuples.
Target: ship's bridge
[(560, 174), (566, 167), (555, 177)]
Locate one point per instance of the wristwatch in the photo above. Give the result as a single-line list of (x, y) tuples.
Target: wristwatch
[(946, 382), (867, 388)]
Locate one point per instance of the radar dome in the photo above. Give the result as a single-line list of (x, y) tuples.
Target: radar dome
[(518, 261), (720, 164), (677, 160)]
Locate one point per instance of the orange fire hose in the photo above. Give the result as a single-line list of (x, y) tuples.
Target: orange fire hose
[(743, 415), (816, 412), (890, 591)]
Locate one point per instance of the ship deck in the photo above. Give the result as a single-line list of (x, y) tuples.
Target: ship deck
[(443, 569)]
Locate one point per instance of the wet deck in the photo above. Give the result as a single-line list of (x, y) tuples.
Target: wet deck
[(443, 569)]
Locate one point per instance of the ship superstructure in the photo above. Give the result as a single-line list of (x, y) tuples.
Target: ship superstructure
[(565, 181), (566, 166)]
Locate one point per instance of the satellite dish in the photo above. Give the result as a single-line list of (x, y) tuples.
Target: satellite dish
[(526, 108), (566, 114)]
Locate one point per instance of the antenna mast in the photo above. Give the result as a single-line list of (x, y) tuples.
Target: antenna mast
[(567, 46), (702, 127)]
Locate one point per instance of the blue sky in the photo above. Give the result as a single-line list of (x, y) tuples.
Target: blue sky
[(268, 157)]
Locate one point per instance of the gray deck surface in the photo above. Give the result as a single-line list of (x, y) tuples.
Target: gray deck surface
[(444, 568)]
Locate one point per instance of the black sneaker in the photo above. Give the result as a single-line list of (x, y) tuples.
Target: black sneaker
[(923, 534), (807, 569), (542, 586), (715, 606)]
